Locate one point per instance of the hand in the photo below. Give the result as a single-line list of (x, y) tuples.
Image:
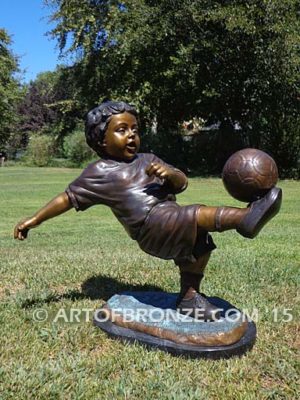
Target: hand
[(22, 228), (161, 171)]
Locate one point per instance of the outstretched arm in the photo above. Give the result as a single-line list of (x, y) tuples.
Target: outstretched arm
[(176, 179), (56, 206)]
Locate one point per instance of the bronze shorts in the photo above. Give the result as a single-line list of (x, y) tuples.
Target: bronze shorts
[(170, 232)]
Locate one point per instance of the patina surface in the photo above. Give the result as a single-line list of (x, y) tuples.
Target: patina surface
[(165, 322)]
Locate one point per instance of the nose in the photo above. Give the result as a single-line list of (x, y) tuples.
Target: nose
[(131, 133)]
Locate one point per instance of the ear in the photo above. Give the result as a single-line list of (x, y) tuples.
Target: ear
[(102, 144)]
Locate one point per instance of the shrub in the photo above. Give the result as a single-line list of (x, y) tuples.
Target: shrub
[(62, 163), (40, 149), (76, 148)]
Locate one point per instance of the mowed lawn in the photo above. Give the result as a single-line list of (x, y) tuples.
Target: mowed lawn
[(78, 260)]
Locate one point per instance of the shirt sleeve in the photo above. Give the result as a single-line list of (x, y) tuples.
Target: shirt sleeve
[(86, 190)]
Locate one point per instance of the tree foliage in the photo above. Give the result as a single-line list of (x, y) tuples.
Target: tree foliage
[(35, 108), (10, 92), (222, 60), (48, 107)]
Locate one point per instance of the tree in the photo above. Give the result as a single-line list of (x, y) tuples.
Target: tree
[(35, 107), (48, 107), (10, 91), (227, 61)]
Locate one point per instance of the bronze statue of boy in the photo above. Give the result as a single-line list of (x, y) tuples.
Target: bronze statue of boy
[(140, 189)]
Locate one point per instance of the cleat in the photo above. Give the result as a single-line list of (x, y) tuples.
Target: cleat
[(260, 212), (199, 307)]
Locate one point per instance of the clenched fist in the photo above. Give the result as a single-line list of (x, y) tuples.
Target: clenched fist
[(175, 178), (22, 228), (161, 171)]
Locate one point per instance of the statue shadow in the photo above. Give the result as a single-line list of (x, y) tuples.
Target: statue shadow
[(100, 287), (103, 287)]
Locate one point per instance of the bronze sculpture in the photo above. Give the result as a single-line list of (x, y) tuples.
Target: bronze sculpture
[(140, 189)]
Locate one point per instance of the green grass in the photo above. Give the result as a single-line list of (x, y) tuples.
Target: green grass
[(79, 259)]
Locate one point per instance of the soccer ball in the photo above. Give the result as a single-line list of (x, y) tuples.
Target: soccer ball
[(249, 174)]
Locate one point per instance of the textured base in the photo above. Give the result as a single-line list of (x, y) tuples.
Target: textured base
[(167, 300)]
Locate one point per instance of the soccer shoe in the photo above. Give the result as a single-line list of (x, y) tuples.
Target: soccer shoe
[(199, 307), (260, 212)]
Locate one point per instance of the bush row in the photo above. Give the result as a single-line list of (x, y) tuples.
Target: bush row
[(42, 151)]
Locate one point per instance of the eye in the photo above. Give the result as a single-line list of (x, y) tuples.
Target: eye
[(121, 131)]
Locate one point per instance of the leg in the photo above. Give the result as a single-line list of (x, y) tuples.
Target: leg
[(220, 219), (247, 221), (191, 274), (190, 301)]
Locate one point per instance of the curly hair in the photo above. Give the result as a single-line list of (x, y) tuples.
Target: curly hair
[(98, 119)]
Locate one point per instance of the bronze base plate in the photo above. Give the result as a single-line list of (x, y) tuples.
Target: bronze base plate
[(167, 300)]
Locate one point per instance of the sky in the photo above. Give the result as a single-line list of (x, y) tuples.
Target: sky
[(26, 22)]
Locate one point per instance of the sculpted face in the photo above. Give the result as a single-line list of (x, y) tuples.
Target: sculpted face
[(121, 138)]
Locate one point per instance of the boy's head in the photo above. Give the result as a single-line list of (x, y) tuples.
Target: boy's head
[(98, 119)]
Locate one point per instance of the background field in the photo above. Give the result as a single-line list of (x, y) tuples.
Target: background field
[(79, 260)]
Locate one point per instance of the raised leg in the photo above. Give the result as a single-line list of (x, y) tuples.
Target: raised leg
[(220, 219), (247, 221)]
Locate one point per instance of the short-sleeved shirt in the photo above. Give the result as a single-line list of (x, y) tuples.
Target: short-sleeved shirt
[(145, 205)]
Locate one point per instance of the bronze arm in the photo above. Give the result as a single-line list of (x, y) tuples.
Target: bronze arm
[(56, 206), (176, 179)]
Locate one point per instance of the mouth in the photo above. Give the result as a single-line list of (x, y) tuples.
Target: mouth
[(131, 147)]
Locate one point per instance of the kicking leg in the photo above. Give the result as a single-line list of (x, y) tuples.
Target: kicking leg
[(220, 219), (247, 221)]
